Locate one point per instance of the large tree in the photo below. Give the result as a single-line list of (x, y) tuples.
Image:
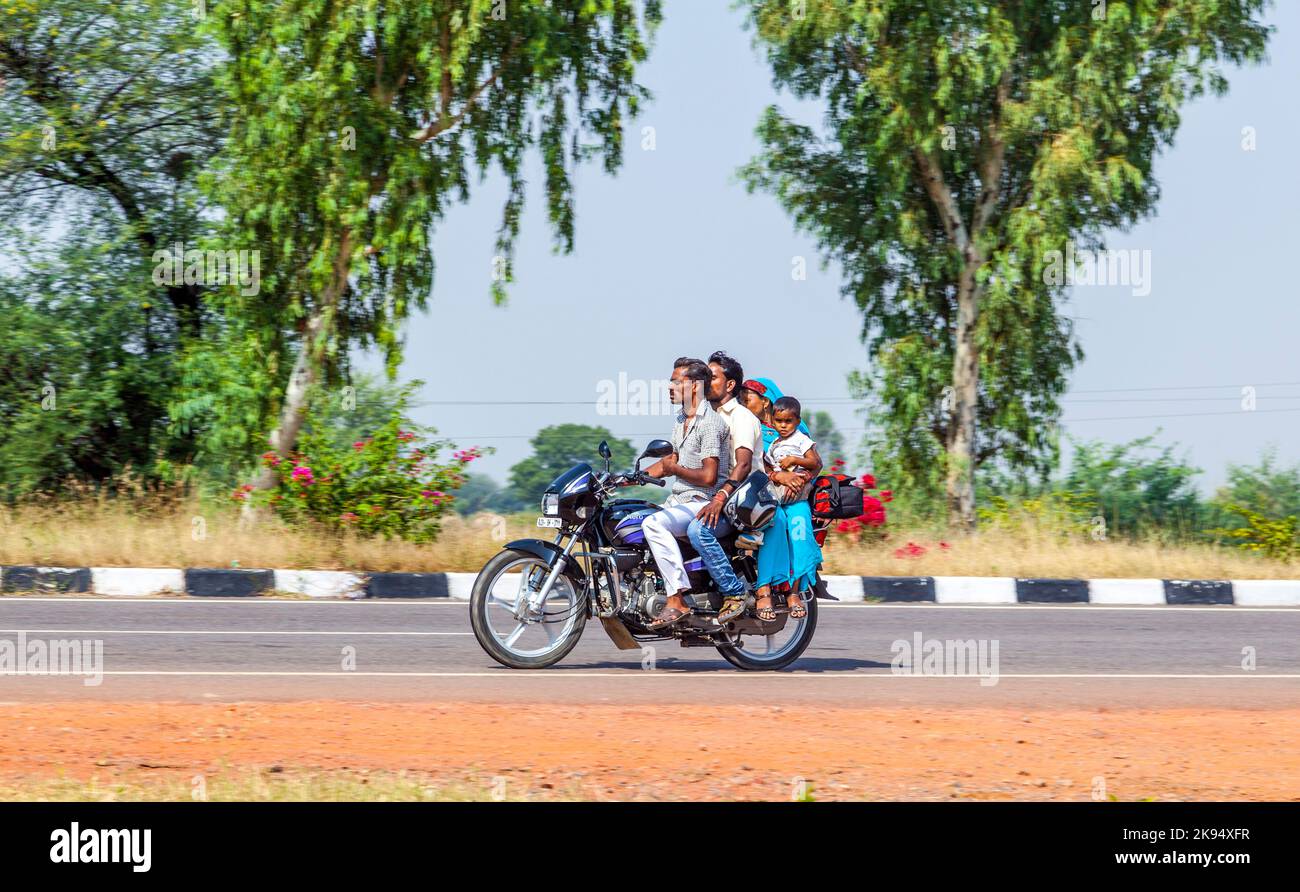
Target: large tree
[(105, 117), (356, 124), (964, 142)]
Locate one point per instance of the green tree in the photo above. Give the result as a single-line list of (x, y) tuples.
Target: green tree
[(830, 442), (105, 110), (84, 370), (1267, 487), (355, 125), (560, 447), (481, 493), (966, 141)]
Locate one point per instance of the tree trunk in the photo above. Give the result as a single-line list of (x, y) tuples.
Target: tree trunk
[(965, 395), (306, 370)]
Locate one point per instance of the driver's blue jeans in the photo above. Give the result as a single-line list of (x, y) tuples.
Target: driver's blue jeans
[(715, 556)]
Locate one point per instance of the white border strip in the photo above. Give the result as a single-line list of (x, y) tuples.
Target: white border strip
[(1266, 592), (320, 583), (974, 590), (1126, 591), (135, 582)]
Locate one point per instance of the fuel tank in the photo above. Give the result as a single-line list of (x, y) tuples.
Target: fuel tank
[(621, 521)]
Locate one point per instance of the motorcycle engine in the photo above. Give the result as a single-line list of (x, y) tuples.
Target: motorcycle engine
[(645, 594)]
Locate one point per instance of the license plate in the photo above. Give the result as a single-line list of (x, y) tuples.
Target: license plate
[(548, 522)]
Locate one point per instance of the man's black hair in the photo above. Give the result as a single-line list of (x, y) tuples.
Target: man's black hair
[(731, 369), (788, 404), (696, 369)]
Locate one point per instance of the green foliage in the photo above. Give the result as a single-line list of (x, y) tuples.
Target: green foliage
[(84, 371), (387, 484), (964, 142), (829, 440), (355, 126), (482, 493), (1136, 487), (560, 447), (1266, 487), (105, 115), (1275, 538)]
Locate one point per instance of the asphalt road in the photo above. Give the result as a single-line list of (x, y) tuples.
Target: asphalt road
[(204, 649)]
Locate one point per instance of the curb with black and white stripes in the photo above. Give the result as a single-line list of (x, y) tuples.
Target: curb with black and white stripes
[(234, 583)]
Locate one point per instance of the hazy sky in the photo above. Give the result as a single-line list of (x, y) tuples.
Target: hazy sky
[(673, 257)]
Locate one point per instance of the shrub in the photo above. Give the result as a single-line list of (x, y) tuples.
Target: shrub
[(388, 485)]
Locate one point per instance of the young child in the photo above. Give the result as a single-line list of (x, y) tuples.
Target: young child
[(790, 451)]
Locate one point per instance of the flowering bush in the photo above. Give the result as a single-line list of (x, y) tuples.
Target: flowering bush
[(389, 484), (872, 518)]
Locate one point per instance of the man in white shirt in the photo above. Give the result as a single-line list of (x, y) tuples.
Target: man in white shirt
[(746, 457)]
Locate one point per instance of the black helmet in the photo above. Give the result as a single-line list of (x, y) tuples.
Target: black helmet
[(751, 506)]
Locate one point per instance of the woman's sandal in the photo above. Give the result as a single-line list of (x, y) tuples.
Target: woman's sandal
[(798, 610), (768, 613)]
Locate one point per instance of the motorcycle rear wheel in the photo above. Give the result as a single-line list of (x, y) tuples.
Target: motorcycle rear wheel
[(773, 656)]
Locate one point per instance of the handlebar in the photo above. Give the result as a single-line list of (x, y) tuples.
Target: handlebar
[(637, 478)]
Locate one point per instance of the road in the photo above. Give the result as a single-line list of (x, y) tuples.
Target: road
[(201, 650)]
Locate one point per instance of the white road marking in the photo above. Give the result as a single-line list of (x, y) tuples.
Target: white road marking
[(1227, 609), (214, 632), (722, 673)]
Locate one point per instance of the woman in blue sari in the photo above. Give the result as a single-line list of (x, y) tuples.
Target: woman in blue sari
[(789, 557)]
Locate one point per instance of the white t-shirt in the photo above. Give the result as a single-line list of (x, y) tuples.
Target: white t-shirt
[(796, 444), (746, 430)]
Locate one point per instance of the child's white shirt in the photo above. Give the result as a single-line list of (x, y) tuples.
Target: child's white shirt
[(796, 444)]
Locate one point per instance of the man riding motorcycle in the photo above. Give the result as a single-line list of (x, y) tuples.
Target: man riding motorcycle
[(701, 457)]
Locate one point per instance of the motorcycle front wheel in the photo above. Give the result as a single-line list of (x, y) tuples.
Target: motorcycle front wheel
[(507, 629), (771, 652)]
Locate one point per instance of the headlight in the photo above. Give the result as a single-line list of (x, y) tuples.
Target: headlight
[(551, 504)]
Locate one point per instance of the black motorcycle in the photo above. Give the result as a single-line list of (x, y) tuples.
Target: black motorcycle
[(531, 602)]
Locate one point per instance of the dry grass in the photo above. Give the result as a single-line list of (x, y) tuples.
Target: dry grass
[(184, 533), (259, 785)]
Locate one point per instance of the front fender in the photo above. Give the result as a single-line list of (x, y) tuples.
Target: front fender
[(549, 552)]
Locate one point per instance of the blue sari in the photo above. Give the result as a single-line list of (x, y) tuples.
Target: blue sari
[(790, 552)]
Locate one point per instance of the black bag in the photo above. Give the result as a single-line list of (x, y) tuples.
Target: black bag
[(836, 497)]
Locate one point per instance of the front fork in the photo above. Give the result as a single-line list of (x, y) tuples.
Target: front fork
[(536, 599)]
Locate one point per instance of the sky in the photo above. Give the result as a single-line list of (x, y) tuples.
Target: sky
[(674, 258)]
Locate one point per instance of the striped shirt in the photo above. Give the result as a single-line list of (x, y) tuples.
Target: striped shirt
[(695, 439)]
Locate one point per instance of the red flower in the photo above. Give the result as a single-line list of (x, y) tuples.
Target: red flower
[(868, 482), (886, 495)]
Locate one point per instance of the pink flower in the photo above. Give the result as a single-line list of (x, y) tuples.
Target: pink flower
[(271, 459), (349, 517), (359, 445), (302, 474)]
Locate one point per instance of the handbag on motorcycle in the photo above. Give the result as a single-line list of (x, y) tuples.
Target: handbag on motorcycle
[(751, 506), (836, 497)]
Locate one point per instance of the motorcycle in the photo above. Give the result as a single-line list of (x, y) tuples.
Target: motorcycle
[(530, 603)]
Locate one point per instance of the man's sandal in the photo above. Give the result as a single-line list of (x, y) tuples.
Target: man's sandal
[(667, 617), (732, 608)]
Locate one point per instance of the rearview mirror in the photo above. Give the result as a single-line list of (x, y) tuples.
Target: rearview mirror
[(658, 449), (604, 450)]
